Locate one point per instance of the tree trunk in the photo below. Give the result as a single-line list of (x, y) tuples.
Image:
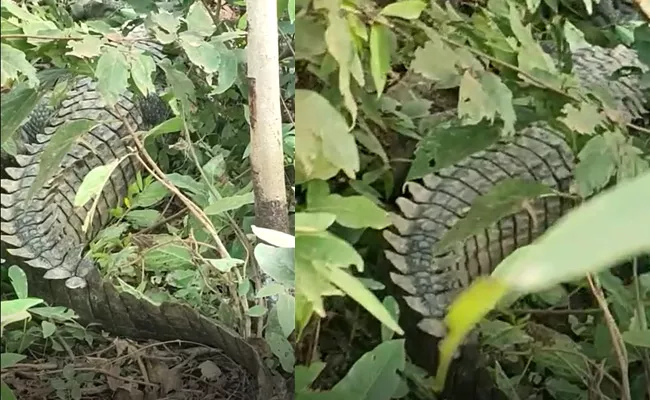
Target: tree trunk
[(267, 159)]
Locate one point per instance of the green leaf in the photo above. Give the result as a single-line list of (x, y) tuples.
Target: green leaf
[(340, 45), (56, 149), (18, 281), (505, 198), (309, 38), (48, 329), (375, 376), (407, 9), (380, 52), (437, 61), (182, 86), (327, 248), (393, 308), (199, 21), (352, 211), (88, 47), (112, 74), (272, 289), (612, 227), (12, 64), (282, 349), (286, 310), (470, 307), (16, 107), (174, 124), (530, 56), (229, 203), (151, 195), (225, 264), (637, 338), (16, 310), (306, 375), (201, 53), (142, 69), (5, 391), (276, 262), (596, 167), (449, 143), (169, 22), (143, 218), (8, 360), (354, 288), (313, 221), (583, 120), (168, 255), (256, 311), (93, 183), (326, 145), (228, 70)]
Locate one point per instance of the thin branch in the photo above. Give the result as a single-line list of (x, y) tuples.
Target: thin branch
[(617, 339)]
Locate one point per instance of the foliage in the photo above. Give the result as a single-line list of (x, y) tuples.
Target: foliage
[(156, 246), (382, 82)]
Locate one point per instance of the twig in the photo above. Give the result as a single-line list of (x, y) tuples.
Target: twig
[(617, 339), (164, 221)]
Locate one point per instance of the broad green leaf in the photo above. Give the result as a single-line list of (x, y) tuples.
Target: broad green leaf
[(256, 311), (16, 310), (304, 313), (352, 211), (380, 52), (340, 45), (276, 262), (312, 285), (48, 329), (407, 9), (88, 47), (174, 124), (501, 100), (143, 218), (470, 307), (637, 338), (282, 349), (376, 375), (596, 167), (583, 120), (59, 313), (151, 195), (449, 143), (5, 391), (393, 308), (167, 21), (505, 198), (19, 11), (182, 86), (313, 221), (612, 227), (112, 74), (272, 289), (437, 62), (275, 238), (473, 103), (201, 53), (225, 264), (12, 64), (142, 69), (286, 310), (56, 149), (16, 107), (93, 183), (354, 288), (91, 188), (530, 56), (168, 255), (198, 20), (326, 145), (327, 248), (8, 360), (310, 37), (229, 203), (306, 375), (18, 281), (228, 70)]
